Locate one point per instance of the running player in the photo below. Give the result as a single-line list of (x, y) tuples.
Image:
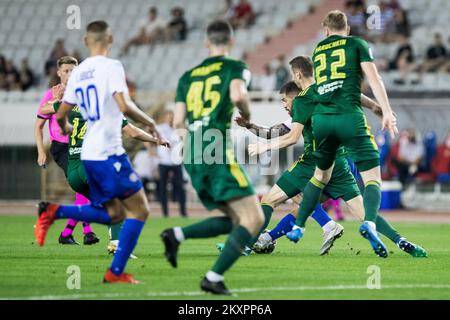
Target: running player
[(76, 176), (59, 146), (99, 88), (206, 97), (340, 62), (342, 183)]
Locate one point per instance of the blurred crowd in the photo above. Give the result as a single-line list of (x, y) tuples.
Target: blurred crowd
[(393, 27), (13, 77)]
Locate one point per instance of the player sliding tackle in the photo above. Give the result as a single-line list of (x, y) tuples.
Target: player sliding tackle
[(99, 88), (206, 97), (342, 183)]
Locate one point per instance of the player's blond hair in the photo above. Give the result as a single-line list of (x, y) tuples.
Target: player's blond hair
[(335, 20), (66, 60)]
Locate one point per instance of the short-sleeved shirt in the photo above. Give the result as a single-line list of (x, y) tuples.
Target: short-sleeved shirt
[(53, 126), (92, 86), (302, 110), (205, 90), (337, 70), (79, 127)]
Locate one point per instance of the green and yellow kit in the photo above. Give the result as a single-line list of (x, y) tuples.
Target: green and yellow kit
[(338, 118), (76, 176), (293, 181), (208, 155)]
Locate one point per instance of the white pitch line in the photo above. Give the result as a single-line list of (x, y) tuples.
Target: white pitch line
[(241, 290)]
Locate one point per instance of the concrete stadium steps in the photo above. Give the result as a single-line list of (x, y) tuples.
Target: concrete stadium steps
[(302, 30)]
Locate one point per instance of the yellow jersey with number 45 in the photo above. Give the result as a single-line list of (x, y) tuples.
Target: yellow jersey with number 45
[(205, 90), (337, 70)]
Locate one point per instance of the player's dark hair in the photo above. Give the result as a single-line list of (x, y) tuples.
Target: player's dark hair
[(219, 32), (304, 65), (290, 88), (66, 60), (335, 20), (99, 26)]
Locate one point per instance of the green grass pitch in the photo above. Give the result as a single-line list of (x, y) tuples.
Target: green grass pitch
[(291, 272)]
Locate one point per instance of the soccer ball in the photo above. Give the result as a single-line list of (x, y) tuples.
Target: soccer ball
[(264, 245)]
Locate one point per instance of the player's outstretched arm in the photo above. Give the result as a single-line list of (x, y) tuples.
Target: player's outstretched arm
[(262, 131), (389, 121), (287, 140), (239, 97), (130, 110), (137, 133)]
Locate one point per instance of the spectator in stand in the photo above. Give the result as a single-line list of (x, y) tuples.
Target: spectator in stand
[(226, 12), (403, 61), (2, 64), (446, 65), (436, 55), (398, 27), (12, 76), (177, 27), (243, 15), (57, 52), (378, 31), (410, 154), (268, 81), (442, 161), (356, 18), (26, 75), (282, 74), (151, 31)]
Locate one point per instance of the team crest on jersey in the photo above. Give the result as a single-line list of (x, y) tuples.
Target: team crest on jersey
[(117, 166), (134, 177)]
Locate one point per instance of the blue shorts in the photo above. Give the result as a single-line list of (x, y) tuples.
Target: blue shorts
[(354, 170), (111, 178)]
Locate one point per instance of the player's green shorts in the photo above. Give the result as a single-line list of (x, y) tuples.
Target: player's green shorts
[(217, 183), (347, 129), (76, 177), (342, 183)]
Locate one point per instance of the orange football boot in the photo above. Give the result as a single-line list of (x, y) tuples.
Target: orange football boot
[(123, 278), (46, 217)]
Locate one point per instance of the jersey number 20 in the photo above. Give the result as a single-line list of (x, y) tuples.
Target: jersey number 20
[(89, 101)]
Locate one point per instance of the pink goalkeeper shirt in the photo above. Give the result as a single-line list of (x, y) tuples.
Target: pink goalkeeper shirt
[(53, 126)]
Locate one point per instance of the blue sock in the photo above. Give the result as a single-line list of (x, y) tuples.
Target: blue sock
[(283, 227), (87, 213), (131, 229), (320, 215)]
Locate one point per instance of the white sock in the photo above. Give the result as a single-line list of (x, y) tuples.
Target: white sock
[(178, 234), (214, 277), (114, 242), (371, 224), (329, 226)]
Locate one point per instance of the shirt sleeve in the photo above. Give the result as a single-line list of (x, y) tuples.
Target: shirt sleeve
[(181, 90), (70, 96), (241, 71), (117, 80), (302, 110), (48, 96), (56, 106), (365, 52)]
